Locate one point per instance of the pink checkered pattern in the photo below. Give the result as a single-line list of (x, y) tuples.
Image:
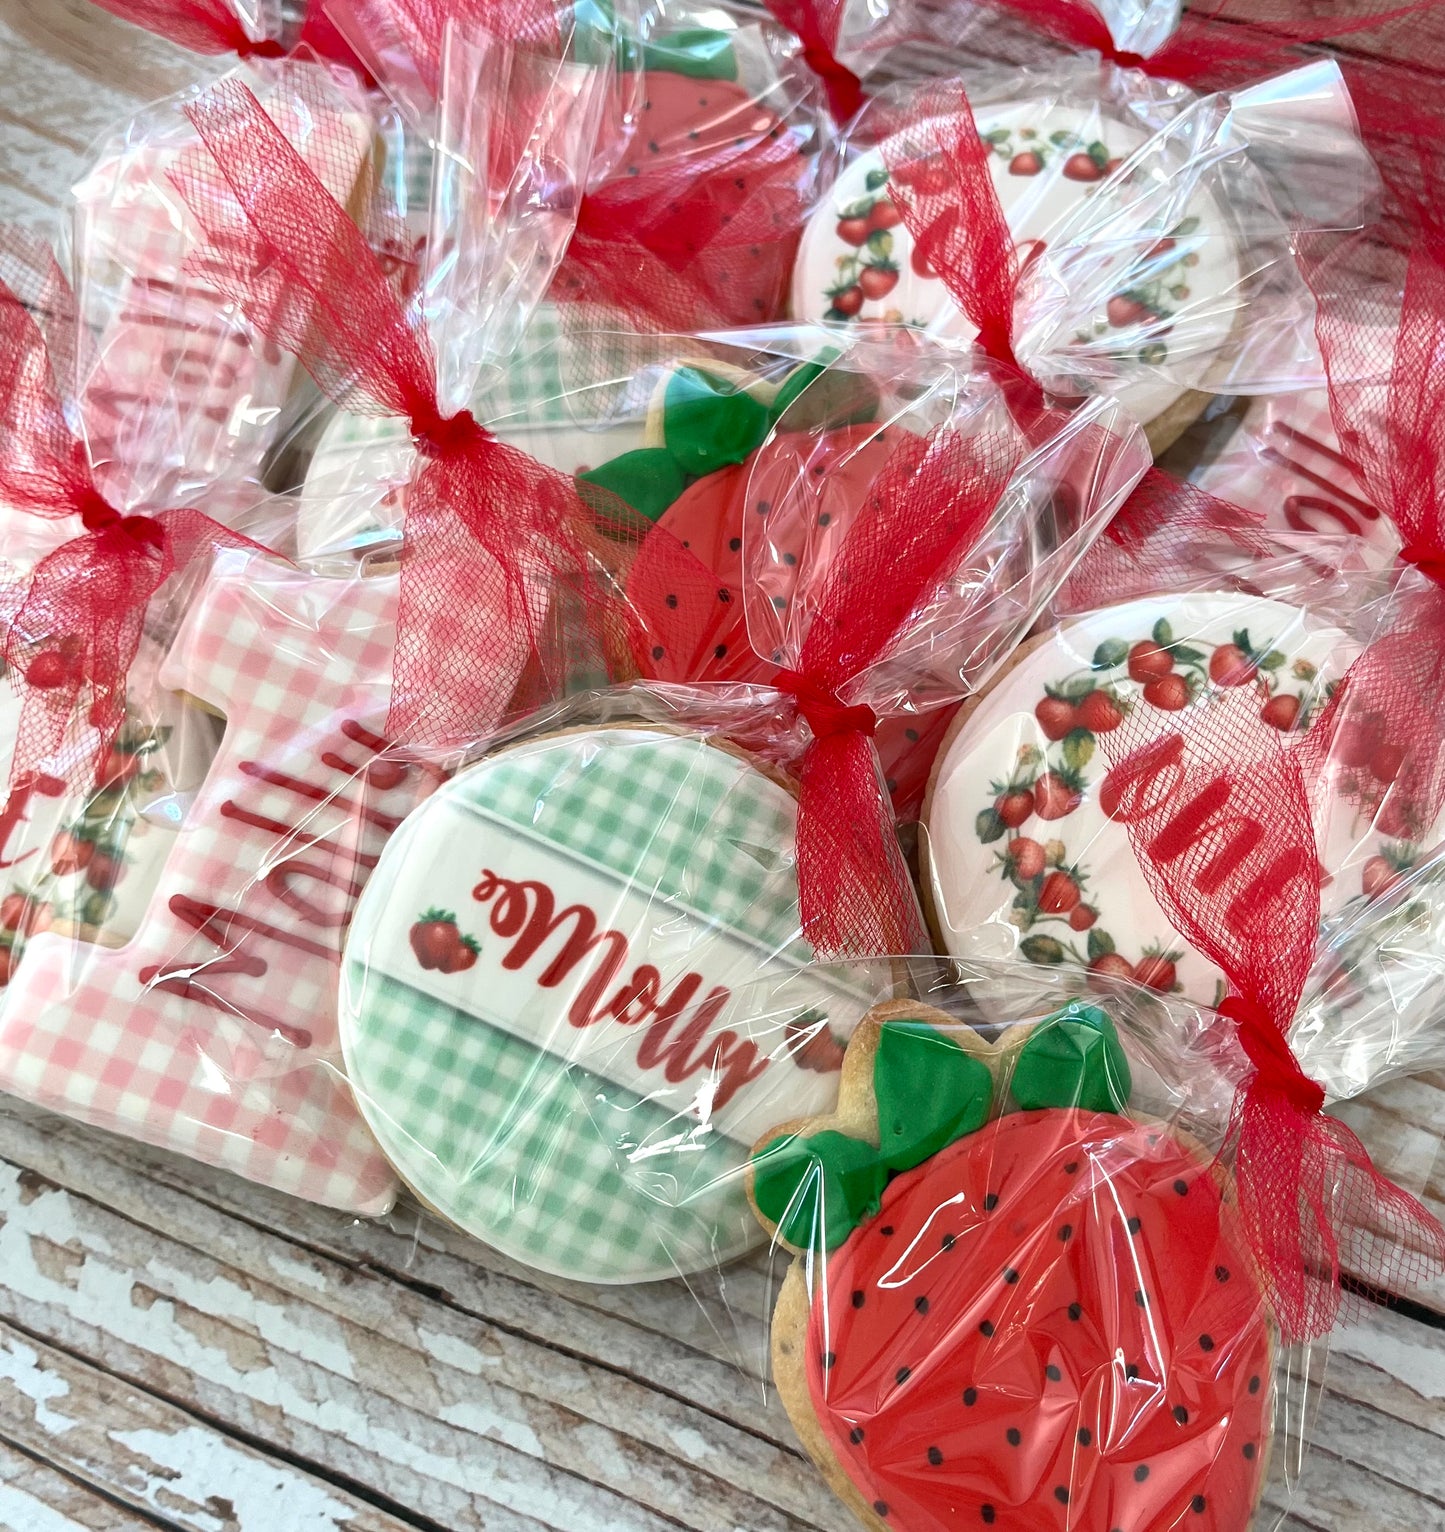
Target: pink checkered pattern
[(1284, 462), (222, 1043)]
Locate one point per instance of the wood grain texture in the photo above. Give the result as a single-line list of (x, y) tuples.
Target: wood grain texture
[(182, 1350)]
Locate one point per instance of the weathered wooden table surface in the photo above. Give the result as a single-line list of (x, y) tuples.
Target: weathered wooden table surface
[(179, 1349)]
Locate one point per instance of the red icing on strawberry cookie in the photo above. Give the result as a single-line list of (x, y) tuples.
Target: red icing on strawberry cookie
[(699, 630), (1051, 1326)]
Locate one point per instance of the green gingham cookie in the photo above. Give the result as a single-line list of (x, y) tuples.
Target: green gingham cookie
[(575, 994)]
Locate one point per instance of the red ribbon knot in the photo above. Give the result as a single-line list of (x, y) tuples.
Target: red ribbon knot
[(97, 514), (843, 87), (1275, 1066), (1429, 561), (823, 711), (438, 435)]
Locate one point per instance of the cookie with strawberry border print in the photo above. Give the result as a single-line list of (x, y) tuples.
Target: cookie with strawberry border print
[(858, 261), (701, 634), (1024, 856), (1015, 1305), (577, 989)]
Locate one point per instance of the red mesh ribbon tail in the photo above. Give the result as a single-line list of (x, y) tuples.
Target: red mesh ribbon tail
[(1218, 817), (939, 179), (203, 26), (854, 891)]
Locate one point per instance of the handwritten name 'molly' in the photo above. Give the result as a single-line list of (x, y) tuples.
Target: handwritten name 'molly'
[(680, 1042)]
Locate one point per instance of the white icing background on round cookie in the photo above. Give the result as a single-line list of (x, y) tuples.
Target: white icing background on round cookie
[(438, 860), (1034, 206), (973, 899)]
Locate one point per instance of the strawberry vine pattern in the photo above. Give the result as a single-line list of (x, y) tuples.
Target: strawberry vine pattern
[(1157, 285), (74, 879), (1054, 905), (869, 273)]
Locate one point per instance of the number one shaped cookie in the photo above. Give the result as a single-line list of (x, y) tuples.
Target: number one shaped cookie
[(213, 1031)]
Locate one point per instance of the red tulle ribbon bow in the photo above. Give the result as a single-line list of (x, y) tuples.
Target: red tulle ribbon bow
[(818, 33), (495, 544), (1217, 811), (74, 622)]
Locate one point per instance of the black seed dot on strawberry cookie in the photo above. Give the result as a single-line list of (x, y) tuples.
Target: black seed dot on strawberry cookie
[(986, 1329), (1221, 1273), (1197, 1505), (1249, 1450), (1071, 1168), (764, 506), (1086, 1436), (790, 558), (1053, 1374), (858, 1298), (1206, 1343), (949, 1241), (1075, 1312), (887, 1231), (720, 651), (1140, 1299), (672, 602), (824, 519), (856, 1435), (1015, 1436), (986, 1514), (829, 1358), (651, 147), (935, 1456), (902, 1375), (1010, 1275), (1135, 1225), (658, 651), (1181, 1415), (1182, 1187), (1131, 1372), (1066, 1233), (1254, 1384), (970, 1397), (881, 1506), (1141, 1473), (734, 544), (724, 595), (990, 1202), (921, 1305)]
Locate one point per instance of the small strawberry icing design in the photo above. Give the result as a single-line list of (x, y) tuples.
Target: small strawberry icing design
[(438, 944), (1051, 905), (1040, 1321)]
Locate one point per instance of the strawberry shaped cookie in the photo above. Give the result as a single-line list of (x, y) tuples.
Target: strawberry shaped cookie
[(1019, 1306), (701, 632)]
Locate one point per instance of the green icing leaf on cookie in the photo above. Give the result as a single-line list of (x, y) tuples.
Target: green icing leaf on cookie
[(1073, 1059), (708, 423), (930, 1092), (648, 480), (818, 1189), (698, 52)]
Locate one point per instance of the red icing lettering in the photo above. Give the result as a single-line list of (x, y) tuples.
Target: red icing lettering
[(1145, 781), (1202, 823), (1296, 505), (524, 912), (12, 816)]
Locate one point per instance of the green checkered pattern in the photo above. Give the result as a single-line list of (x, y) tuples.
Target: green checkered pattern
[(545, 1161), (673, 815), (548, 1161)]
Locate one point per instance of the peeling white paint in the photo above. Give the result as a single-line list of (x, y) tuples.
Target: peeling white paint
[(20, 1365), (692, 1444), (25, 1513), (303, 1273), (1418, 1367), (202, 1468), (452, 1351), (478, 1417)]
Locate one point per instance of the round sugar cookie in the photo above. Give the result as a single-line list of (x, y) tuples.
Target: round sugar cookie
[(575, 992), (1020, 856), (858, 261)]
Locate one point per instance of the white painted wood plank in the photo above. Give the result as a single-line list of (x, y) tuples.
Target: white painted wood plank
[(155, 1458), (34, 1497), (454, 1419)]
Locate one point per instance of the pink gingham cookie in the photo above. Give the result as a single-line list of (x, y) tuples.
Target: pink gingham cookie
[(213, 1030)]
